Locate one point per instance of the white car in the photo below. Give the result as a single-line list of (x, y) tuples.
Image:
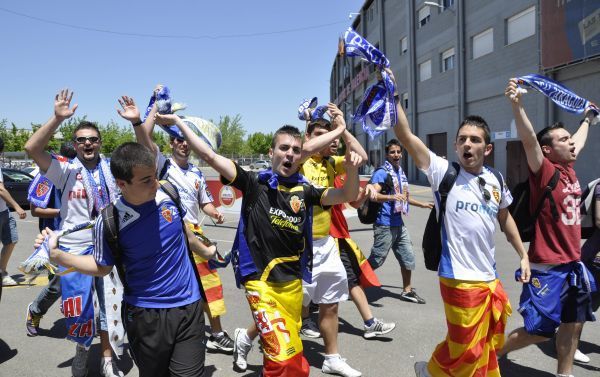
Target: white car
[(260, 165)]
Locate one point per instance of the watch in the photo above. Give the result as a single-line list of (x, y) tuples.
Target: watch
[(135, 124)]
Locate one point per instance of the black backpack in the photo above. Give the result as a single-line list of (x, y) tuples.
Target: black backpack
[(110, 222), (432, 237), (588, 209), (519, 208), (367, 212)]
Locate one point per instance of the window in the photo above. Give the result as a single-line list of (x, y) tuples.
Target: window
[(425, 70), (520, 26), (483, 43), (447, 4), (424, 16), (403, 46), (448, 59), (404, 100)]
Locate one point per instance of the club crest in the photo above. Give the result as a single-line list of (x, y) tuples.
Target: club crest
[(42, 189), (536, 283), (166, 214), (296, 203), (496, 194), (197, 184)]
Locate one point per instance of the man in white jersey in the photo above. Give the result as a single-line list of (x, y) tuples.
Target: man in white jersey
[(469, 283), (87, 186), (191, 184)]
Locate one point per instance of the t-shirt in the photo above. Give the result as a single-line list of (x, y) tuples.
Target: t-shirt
[(66, 177), (469, 223), (191, 185), (275, 223), (339, 226), (158, 270), (386, 215), (591, 247), (321, 172), (556, 242), (3, 206)]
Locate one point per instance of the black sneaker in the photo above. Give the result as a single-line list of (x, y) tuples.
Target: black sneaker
[(411, 296), (222, 343)]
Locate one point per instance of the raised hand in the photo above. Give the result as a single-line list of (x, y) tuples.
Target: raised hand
[(336, 115), (353, 161), (129, 110), (512, 91), (165, 119), (62, 105)]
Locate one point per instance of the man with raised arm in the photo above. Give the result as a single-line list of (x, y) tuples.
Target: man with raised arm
[(469, 284), (273, 248), (87, 186), (552, 300)]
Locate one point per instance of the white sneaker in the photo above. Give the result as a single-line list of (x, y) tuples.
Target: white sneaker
[(337, 365), (378, 328), (581, 357), (309, 328), (79, 363), (110, 369), (240, 351), (421, 369), (8, 281)]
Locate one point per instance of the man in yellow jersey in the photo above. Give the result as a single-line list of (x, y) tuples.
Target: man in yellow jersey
[(329, 283)]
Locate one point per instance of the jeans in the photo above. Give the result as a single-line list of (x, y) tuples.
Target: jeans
[(47, 297), (396, 238)]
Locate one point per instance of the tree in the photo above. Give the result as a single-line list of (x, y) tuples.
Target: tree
[(259, 143), (232, 132)]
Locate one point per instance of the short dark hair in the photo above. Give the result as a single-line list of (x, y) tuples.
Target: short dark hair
[(318, 123), (1, 145), (544, 137), (128, 155), (67, 149), (84, 124), (390, 144), (286, 130), (479, 122)]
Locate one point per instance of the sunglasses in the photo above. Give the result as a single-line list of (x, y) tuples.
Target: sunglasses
[(83, 139), (486, 194)]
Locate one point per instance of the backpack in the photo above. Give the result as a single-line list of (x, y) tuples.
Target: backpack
[(110, 222), (588, 209), (432, 237), (368, 211), (519, 208)]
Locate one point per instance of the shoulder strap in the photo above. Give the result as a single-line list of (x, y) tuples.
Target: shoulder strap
[(171, 192), (547, 194), (446, 184), (499, 178), (163, 172), (110, 225)]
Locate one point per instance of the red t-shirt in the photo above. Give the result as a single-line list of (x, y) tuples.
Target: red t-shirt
[(556, 242), (339, 226)]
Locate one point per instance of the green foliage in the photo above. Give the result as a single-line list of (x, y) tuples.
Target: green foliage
[(259, 143), (232, 132)]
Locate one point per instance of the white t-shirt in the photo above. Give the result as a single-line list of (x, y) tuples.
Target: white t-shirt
[(3, 206), (469, 222), (74, 210), (191, 185)]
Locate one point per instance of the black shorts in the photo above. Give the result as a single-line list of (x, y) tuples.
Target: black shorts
[(350, 263), (167, 342), (594, 267)]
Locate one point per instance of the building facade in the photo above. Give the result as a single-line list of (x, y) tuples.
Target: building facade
[(453, 58)]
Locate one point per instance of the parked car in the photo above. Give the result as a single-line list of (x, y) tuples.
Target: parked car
[(17, 183), (260, 164), (31, 170)]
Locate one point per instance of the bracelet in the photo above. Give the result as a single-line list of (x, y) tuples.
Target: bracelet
[(135, 124)]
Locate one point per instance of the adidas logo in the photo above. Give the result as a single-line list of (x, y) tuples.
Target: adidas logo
[(127, 216)]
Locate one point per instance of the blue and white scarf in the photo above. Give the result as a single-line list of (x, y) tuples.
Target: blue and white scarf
[(309, 111), (558, 93), (400, 187), (377, 111), (97, 196), (39, 191), (164, 105)]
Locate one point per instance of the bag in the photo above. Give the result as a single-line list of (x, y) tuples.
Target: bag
[(432, 237), (519, 208), (368, 211), (587, 209)]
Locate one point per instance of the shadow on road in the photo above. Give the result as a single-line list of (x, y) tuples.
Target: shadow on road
[(58, 330), (549, 349), (509, 368), (6, 353)]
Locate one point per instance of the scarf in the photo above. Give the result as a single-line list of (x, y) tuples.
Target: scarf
[(399, 187), (97, 195), (308, 110), (39, 190)]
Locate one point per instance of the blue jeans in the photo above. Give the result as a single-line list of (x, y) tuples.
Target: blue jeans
[(47, 297), (396, 238)]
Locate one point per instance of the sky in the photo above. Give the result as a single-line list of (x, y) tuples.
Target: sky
[(258, 58)]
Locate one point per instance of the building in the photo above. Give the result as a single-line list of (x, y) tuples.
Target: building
[(453, 58)]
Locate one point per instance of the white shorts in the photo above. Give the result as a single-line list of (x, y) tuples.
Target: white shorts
[(329, 281)]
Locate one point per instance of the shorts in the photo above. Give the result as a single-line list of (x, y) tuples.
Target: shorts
[(395, 238), (99, 287), (594, 267), (350, 263), (329, 281), (8, 228)]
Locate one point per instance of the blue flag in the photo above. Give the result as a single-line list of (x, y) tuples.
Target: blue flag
[(355, 45)]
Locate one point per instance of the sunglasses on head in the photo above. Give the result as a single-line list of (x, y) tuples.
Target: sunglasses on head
[(83, 139), (486, 194)]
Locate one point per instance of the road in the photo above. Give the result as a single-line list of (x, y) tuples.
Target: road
[(419, 327)]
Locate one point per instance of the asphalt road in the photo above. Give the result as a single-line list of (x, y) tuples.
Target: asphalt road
[(419, 327)]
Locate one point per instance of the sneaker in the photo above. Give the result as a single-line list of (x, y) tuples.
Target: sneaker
[(220, 343), (581, 357), (32, 322), (421, 369), (411, 296), (110, 369), (240, 351), (337, 365), (378, 328), (309, 329), (8, 281), (79, 364)]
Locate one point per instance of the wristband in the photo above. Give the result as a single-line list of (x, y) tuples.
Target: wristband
[(135, 124)]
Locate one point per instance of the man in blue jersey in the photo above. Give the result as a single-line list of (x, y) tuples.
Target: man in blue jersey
[(159, 274)]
